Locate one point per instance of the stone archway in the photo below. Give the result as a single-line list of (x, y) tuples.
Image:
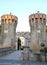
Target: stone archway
[(21, 43)]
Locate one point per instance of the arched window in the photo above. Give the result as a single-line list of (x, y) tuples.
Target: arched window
[(44, 21), (36, 21), (40, 19), (8, 19), (12, 20)]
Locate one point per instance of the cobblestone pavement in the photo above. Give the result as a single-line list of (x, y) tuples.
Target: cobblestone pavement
[(15, 58)]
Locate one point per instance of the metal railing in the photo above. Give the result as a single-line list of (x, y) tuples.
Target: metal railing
[(4, 51)]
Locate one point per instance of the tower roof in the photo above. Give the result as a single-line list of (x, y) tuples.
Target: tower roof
[(37, 15), (9, 16)]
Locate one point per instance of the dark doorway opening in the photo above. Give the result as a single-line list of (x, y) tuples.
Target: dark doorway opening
[(19, 44)]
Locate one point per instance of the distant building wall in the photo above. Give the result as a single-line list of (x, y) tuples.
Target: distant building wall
[(25, 35)]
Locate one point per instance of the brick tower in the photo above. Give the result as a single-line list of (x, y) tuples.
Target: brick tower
[(37, 23), (9, 24)]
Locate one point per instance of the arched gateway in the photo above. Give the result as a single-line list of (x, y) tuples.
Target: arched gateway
[(20, 43)]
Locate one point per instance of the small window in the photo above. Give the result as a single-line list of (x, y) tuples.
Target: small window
[(12, 20), (5, 31), (36, 19), (32, 19), (44, 21), (40, 19), (8, 19)]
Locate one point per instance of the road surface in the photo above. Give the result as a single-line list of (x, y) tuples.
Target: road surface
[(15, 58)]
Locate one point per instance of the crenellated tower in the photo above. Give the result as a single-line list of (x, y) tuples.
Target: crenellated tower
[(9, 24), (37, 23)]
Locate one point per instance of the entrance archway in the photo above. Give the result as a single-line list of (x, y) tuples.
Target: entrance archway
[(19, 44)]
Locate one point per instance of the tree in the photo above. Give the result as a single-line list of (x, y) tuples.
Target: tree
[(42, 44)]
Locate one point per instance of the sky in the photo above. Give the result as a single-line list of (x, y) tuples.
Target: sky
[(22, 9)]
